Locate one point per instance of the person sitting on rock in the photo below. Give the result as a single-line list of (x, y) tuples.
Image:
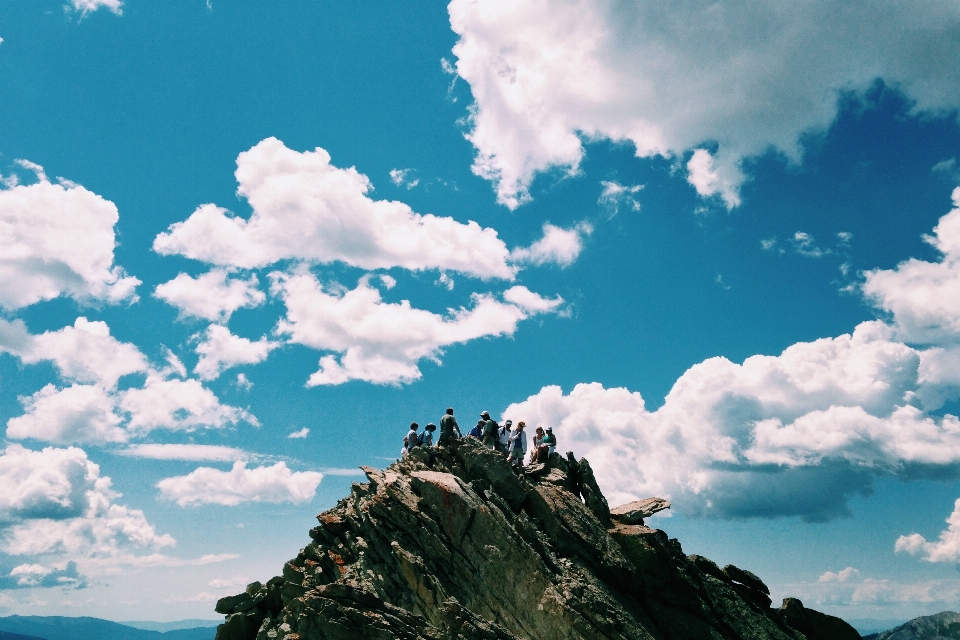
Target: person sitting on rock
[(449, 430), (411, 437), (550, 441), (477, 431), (503, 437), (489, 438), (537, 446), (426, 438), (517, 445)]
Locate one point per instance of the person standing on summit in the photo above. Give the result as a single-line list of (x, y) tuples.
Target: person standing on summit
[(503, 437), (517, 445), (489, 439), (449, 429)]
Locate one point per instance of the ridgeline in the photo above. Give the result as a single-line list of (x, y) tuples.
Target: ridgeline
[(450, 543)]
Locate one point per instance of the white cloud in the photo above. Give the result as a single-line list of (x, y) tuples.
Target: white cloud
[(946, 549), (844, 575), (304, 208), (220, 350), (58, 239), (260, 484), (558, 246), (89, 6), (85, 352), (191, 452), (178, 405), (805, 245), (529, 301), (75, 414), (212, 296), (712, 178), (94, 415), (924, 297), (226, 583), (399, 178), (302, 433), (31, 576), (98, 413), (614, 194), (383, 342), (794, 434), (740, 77), (55, 504), (243, 382)]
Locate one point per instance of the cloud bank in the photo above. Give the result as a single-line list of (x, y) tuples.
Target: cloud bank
[(725, 81), (796, 434)]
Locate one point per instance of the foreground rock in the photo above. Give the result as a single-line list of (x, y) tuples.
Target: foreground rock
[(451, 543)]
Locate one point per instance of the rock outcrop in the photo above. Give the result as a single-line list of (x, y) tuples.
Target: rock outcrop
[(452, 543)]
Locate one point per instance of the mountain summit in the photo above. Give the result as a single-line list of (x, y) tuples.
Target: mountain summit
[(451, 542)]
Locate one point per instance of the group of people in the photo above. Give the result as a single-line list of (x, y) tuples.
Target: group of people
[(505, 438)]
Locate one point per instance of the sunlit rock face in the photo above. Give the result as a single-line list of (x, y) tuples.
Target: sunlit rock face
[(452, 542)]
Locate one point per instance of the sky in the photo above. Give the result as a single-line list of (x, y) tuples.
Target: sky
[(715, 246)]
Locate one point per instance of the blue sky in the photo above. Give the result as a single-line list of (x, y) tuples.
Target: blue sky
[(714, 247)]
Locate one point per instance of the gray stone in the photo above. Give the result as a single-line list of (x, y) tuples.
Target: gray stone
[(634, 512)]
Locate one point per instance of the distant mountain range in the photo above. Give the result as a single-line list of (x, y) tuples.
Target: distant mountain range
[(940, 626), (62, 628)]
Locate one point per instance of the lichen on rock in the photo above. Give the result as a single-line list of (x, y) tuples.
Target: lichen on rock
[(452, 543)]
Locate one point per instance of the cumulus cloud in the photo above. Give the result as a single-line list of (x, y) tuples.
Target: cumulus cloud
[(92, 409), (945, 549), (304, 208), (276, 483), (557, 246), (383, 342), (298, 435), (178, 405), (794, 434), (56, 505), (211, 296), (31, 576), (924, 297), (58, 239), (739, 78), (220, 350), (844, 575), (80, 413), (85, 352)]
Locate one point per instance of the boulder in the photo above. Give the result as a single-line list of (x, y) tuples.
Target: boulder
[(746, 578), (634, 512)]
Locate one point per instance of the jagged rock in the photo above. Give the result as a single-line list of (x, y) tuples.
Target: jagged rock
[(452, 543), (815, 625), (746, 578), (634, 512)]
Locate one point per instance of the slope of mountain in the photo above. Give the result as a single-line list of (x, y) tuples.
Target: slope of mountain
[(940, 626), (83, 628), (176, 625), (16, 636), (453, 543)]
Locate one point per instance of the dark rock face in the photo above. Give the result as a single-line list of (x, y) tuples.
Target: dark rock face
[(451, 544)]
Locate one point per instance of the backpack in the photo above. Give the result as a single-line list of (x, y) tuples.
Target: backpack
[(421, 437)]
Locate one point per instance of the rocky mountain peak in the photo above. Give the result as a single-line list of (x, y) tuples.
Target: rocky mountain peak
[(452, 542)]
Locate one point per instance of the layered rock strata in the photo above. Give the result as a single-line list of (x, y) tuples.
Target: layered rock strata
[(453, 543)]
